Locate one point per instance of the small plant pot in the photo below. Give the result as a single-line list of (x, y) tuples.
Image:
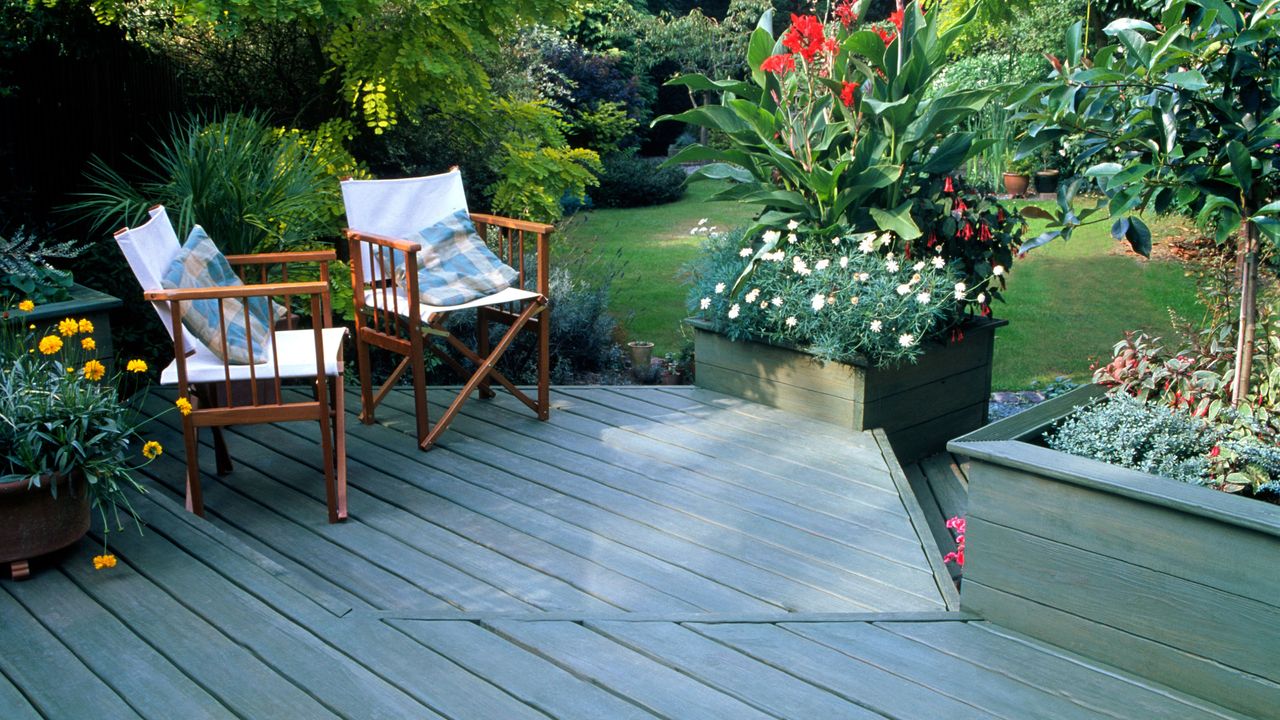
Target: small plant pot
[(641, 353), (1016, 184), (33, 522), (670, 378), (1047, 181)]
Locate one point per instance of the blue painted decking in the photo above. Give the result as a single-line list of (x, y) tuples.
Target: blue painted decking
[(648, 552)]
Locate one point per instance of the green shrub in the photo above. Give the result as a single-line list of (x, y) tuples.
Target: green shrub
[(25, 272), (630, 181)]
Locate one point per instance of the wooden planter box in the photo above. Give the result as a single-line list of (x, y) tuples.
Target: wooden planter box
[(85, 303), (920, 406), (1173, 582)]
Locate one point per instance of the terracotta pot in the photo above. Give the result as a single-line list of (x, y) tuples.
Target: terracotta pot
[(1016, 184), (34, 523), (1047, 181), (670, 378)]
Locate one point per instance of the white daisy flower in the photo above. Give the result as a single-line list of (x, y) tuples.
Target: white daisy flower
[(771, 236), (863, 277), (793, 224), (918, 266), (777, 301), (997, 270), (939, 263), (891, 265), (792, 321), (818, 302), (906, 340), (853, 300), (791, 238), (835, 241), (733, 311), (706, 303), (960, 295), (982, 298), (821, 265), (868, 245), (751, 296), (719, 288), (744, 252), (904, 289), (844, 262), (923, 298), (961, 287), (875, 326)]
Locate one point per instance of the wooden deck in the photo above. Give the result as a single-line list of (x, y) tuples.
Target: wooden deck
[(646, 553)]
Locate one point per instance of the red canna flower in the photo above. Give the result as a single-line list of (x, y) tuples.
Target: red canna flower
[(845, 14), (895, 17), (885, 35), (846, 93), (805, 37), (779, 64)]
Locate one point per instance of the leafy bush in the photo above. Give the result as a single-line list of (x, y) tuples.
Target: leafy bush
[(25, 272), (839, 304), (630, 181)]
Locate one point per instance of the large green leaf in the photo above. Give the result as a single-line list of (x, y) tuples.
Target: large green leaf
[(723, 171), (1187, 80), (897, 221), (760, 47), (1139, 236), (866, 44), (946, 111), (714, 117), (950, 153), (1241, 165), (698, 82), (1116, 27)]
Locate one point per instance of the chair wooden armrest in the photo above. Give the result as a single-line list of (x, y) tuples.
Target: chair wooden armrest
[(237, 291), (283, 257), (405, 246), (512, 223)]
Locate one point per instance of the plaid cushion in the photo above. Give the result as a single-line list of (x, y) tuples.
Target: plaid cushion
[(199, 264), (455, 266)]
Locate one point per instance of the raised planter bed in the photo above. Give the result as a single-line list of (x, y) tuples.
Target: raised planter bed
[(920, 406), (1169, 581), (85, 303)]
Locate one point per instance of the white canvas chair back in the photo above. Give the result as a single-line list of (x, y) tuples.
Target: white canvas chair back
[(401, 208), (150, 249)]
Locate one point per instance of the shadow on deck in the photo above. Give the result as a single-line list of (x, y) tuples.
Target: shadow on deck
[(647, 552)]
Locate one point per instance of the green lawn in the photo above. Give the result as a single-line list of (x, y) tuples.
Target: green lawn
[(1068, 302)]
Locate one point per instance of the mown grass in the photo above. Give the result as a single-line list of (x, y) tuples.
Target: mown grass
[(1068, 302)]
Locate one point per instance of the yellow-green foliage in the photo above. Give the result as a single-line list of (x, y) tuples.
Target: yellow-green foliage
[(538, 167)]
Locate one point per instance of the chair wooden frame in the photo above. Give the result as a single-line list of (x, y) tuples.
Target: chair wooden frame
[(266, 401), (385, 318)]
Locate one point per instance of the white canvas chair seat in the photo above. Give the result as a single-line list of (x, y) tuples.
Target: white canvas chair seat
[(428, 312), (199, 374), (297, 354), (386, 219)]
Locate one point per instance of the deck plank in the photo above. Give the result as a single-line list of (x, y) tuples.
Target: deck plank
[(13, 704)]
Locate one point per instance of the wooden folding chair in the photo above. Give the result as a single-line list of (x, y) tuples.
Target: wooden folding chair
[(384, 217), (224, 394)]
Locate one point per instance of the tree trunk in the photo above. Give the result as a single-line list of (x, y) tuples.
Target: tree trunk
[(1247, 264)]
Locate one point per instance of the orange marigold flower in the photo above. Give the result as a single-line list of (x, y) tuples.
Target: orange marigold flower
[(26, 306), (152, 450), (184, 406), (104, 561), (94, 370), (50, 344), (68, 327), (85, 326), (136, 366), (88, 344)]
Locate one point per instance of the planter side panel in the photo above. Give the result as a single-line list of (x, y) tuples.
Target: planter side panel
[(1180, 599)]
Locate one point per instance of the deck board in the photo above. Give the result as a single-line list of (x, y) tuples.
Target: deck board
[(649, 552)]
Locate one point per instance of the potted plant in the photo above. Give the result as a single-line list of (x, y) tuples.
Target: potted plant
[(1017, 178), (869, 211), (27, 275), (1046, 175), (69, 436)]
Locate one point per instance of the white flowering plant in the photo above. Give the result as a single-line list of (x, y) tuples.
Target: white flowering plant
[(844, 301)]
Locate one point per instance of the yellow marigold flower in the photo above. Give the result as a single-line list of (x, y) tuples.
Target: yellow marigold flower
[(26, 306), (152, 450), (68, 327), (94, 370), (136, 366), (88, 343), (86, 326), (184, 406), (50, 344), (104, 561)]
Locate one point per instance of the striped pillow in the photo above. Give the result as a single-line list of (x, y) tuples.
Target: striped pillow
[(455, 266), (199, 264)]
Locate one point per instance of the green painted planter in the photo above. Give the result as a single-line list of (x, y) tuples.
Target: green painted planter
[(85, 303), (1172, 582), (920, 406)]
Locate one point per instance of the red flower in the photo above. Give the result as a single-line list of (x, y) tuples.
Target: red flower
[(779, 64), (806, 37), (966, 232), (1215, 451), (947, 185), (845, 14), (895, 17), (984, 234), (1000, 216), (885, 35), (960, 206), (846, 93)]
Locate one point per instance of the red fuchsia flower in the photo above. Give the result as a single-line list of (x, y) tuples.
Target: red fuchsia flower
[(845, 14), (986, 311), (948, 186), (1000, 215), (885, 35), (806, 37), (895, 17), (984, 234), (846, 93), (933, 239), (960, 206), (966, 232), (958, 525), (779, 64)]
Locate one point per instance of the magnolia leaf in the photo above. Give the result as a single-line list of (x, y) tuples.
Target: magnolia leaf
[(1119, 228), (1033, 212), (1270, 208), (1103, 170), (1041, 239), (1139, 236), (1118, 26), (1241, 165), (1187, 80), (897, 221), (1269, 227)]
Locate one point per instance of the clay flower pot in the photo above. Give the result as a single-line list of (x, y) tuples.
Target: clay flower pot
[(1016, 184), (33, 522)]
